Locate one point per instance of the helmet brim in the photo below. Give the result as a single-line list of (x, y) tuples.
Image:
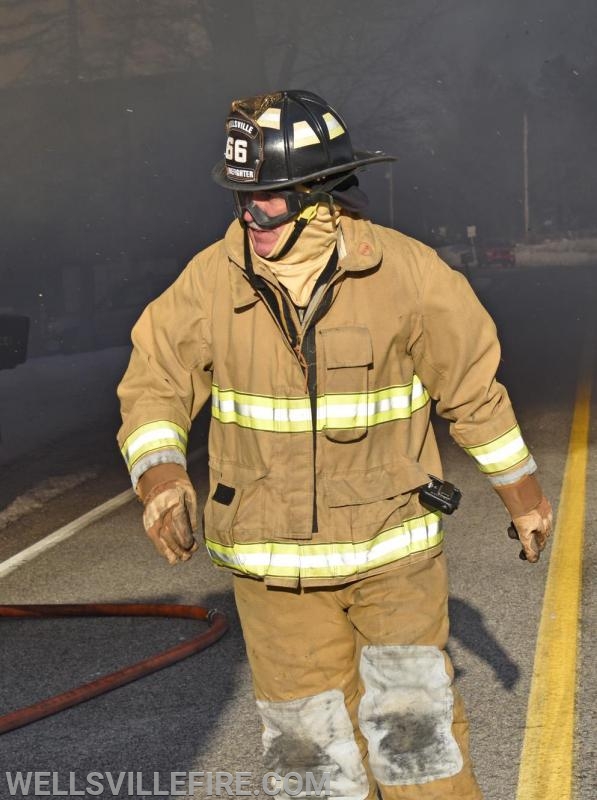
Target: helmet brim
[(361, 159)]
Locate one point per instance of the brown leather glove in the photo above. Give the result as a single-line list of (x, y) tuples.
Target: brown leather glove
[(170, 516), (531, 513)]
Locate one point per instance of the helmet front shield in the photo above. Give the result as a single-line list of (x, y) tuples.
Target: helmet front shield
[(279, 140), (244, 149)]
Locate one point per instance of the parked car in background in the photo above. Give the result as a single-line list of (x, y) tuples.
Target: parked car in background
[(497, 254), (464, 256)]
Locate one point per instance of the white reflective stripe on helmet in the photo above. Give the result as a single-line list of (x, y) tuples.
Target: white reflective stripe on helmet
[(341, 559), (153, 436)]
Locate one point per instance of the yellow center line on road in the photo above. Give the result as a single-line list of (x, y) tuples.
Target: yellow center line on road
[(548, 749)]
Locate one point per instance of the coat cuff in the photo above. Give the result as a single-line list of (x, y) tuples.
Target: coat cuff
[(161, 457), (153, 438), (160, 475)]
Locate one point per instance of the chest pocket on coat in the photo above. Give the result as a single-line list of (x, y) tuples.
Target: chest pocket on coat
[(343, 402)]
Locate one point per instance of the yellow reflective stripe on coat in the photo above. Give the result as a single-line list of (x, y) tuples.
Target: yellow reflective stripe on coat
[(279, 414), (502, 453), (273, 559), (153, 436), (371, 408), (293, 414)]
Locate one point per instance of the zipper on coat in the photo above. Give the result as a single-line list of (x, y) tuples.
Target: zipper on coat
[(308, 348), (303, 344)]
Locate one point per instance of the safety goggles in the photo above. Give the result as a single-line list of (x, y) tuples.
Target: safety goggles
[(293, 204)]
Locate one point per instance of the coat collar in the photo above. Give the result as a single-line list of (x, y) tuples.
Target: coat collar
[(243, 293), (359, 247)]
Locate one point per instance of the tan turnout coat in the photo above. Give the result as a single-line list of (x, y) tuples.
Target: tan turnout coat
[(314, 482)]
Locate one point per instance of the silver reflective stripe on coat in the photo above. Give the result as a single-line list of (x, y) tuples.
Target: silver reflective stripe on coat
[(314, 735), (279, 414), (330, 560), (406, 714), (152, 437), (502, 453)]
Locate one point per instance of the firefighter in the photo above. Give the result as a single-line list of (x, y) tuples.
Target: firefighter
[(322, 339)]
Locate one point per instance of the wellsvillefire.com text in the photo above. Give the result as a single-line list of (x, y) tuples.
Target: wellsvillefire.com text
[(156, 784)]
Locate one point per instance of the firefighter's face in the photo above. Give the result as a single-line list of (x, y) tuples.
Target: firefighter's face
[(262, 239)]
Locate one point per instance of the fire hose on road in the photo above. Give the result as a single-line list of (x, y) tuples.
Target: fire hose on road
[(217, 622)]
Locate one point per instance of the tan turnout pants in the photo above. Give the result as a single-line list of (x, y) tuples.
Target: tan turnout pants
[(354, 682)]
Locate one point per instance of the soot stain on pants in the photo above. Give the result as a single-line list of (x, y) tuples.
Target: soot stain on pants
[(293, 752), (314, 735), (411, 746), (297, 754)]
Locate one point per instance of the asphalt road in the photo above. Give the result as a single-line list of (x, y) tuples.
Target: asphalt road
[(199, 714)]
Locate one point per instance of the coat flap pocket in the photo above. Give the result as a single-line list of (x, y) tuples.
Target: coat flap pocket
[(236, 475), (381, 483), (349, 346)]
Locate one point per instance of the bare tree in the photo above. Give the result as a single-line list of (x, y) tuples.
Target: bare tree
[(33, 36), (369, 59), (44, 41)]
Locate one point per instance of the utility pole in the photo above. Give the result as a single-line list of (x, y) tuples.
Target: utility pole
[(525, 162), (74, 52), (75, 88), (390, 177)]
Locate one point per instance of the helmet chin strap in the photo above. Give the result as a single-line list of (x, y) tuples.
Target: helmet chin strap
[(300, 223), (320, 193)]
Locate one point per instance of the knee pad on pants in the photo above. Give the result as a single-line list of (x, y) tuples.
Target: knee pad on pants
[(406, 714), (314, 734)]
